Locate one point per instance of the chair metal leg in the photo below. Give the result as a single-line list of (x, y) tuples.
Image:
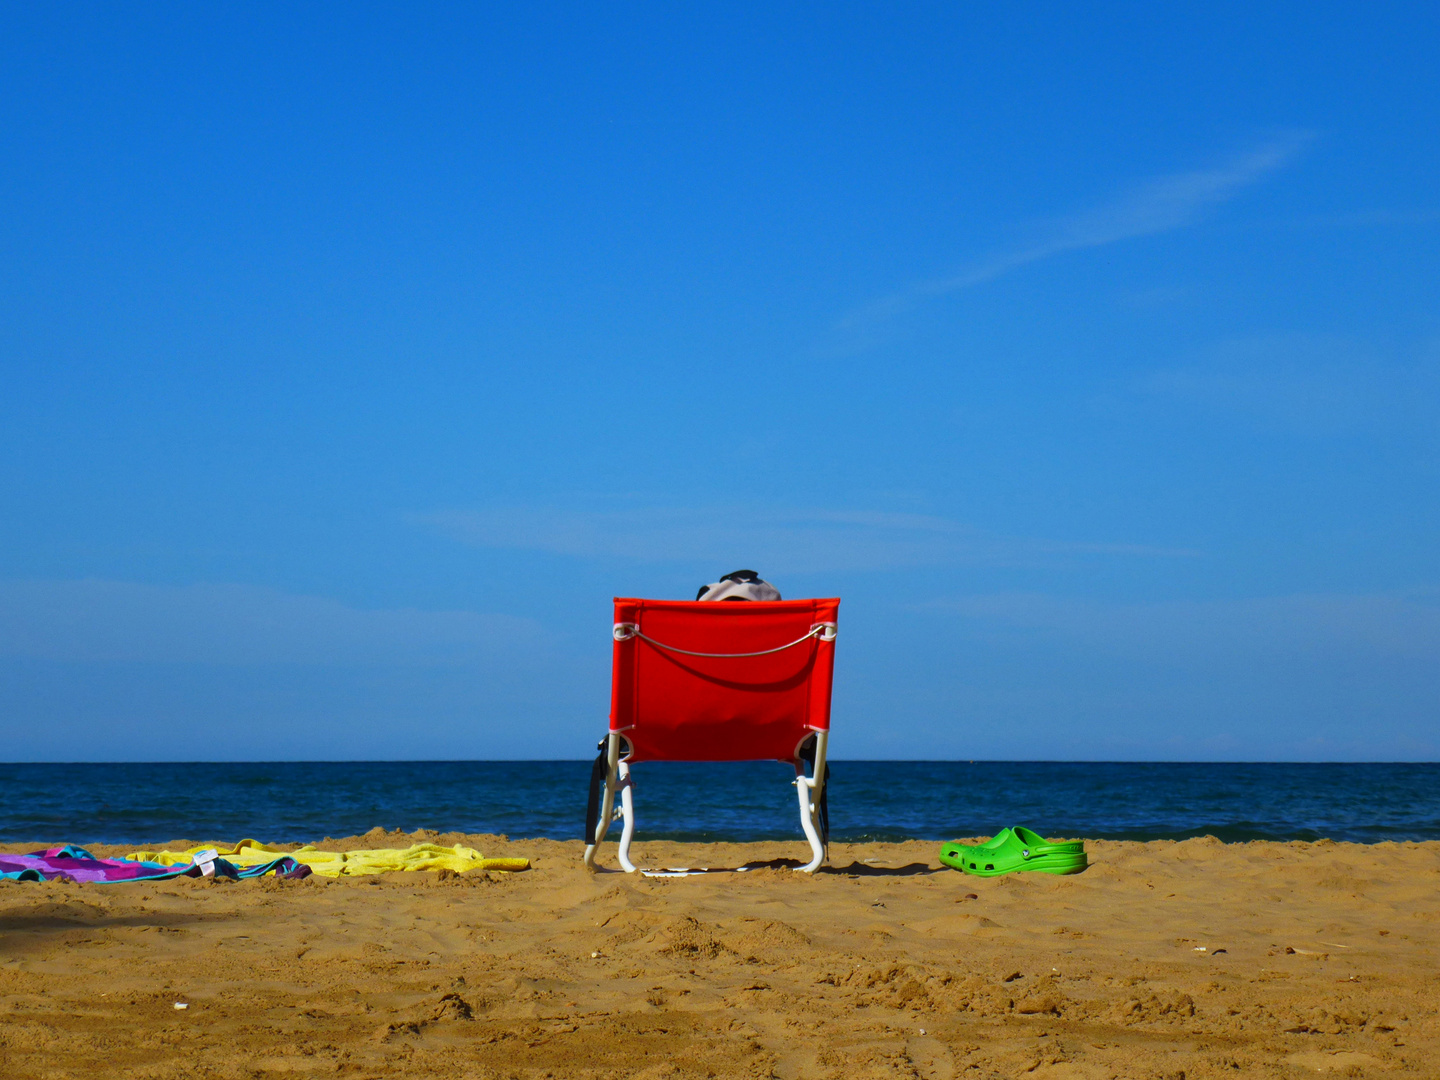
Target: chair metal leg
[(617, 779), (607, 803)]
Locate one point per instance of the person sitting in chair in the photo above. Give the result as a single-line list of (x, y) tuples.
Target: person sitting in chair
[(739, 585)]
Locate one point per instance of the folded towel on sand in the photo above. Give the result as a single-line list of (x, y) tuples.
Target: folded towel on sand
[(71, 863), (350, 863)]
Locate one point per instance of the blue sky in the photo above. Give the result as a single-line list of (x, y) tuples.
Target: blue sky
[(354, 357)]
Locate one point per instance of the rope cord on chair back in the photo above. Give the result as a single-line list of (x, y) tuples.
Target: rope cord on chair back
[(824, 631)]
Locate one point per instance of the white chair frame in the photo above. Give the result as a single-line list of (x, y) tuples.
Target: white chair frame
[(617, 781)]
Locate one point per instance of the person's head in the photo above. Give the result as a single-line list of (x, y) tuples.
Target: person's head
[(739, 585)]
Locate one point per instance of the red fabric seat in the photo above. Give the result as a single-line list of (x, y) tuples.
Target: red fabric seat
[(673, 706)]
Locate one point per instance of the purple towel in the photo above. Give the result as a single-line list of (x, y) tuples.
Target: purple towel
[(70, 863)]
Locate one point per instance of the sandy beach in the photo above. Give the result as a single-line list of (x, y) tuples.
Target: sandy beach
[(1165, 959)]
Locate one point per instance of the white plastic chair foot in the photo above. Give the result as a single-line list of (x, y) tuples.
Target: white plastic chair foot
[(805, 787), (627, 811)]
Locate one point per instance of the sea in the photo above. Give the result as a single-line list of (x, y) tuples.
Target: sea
[(136, 803)]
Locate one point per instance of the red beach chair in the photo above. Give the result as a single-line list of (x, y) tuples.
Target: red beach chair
[(697, 681)]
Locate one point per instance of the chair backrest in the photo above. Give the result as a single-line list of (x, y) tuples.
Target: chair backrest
[(673, 705)]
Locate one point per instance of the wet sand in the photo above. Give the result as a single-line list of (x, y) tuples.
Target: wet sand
[(1317, 958)]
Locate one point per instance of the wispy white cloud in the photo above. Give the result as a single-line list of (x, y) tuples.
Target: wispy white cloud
[(1306, 384), (240, 624), (1318, 676), (782, 541), (1399, 625), (1161, 205), (1366, 219)]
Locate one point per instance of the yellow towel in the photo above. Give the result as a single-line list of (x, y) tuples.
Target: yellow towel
[(348, 863)]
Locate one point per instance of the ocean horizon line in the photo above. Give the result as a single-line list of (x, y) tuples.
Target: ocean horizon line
[(832, 759)]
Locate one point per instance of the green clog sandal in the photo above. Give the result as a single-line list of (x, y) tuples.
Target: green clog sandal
[(957, 855), (1015, 849)]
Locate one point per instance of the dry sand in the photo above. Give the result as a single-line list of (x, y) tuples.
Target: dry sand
[(1317, 957)]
